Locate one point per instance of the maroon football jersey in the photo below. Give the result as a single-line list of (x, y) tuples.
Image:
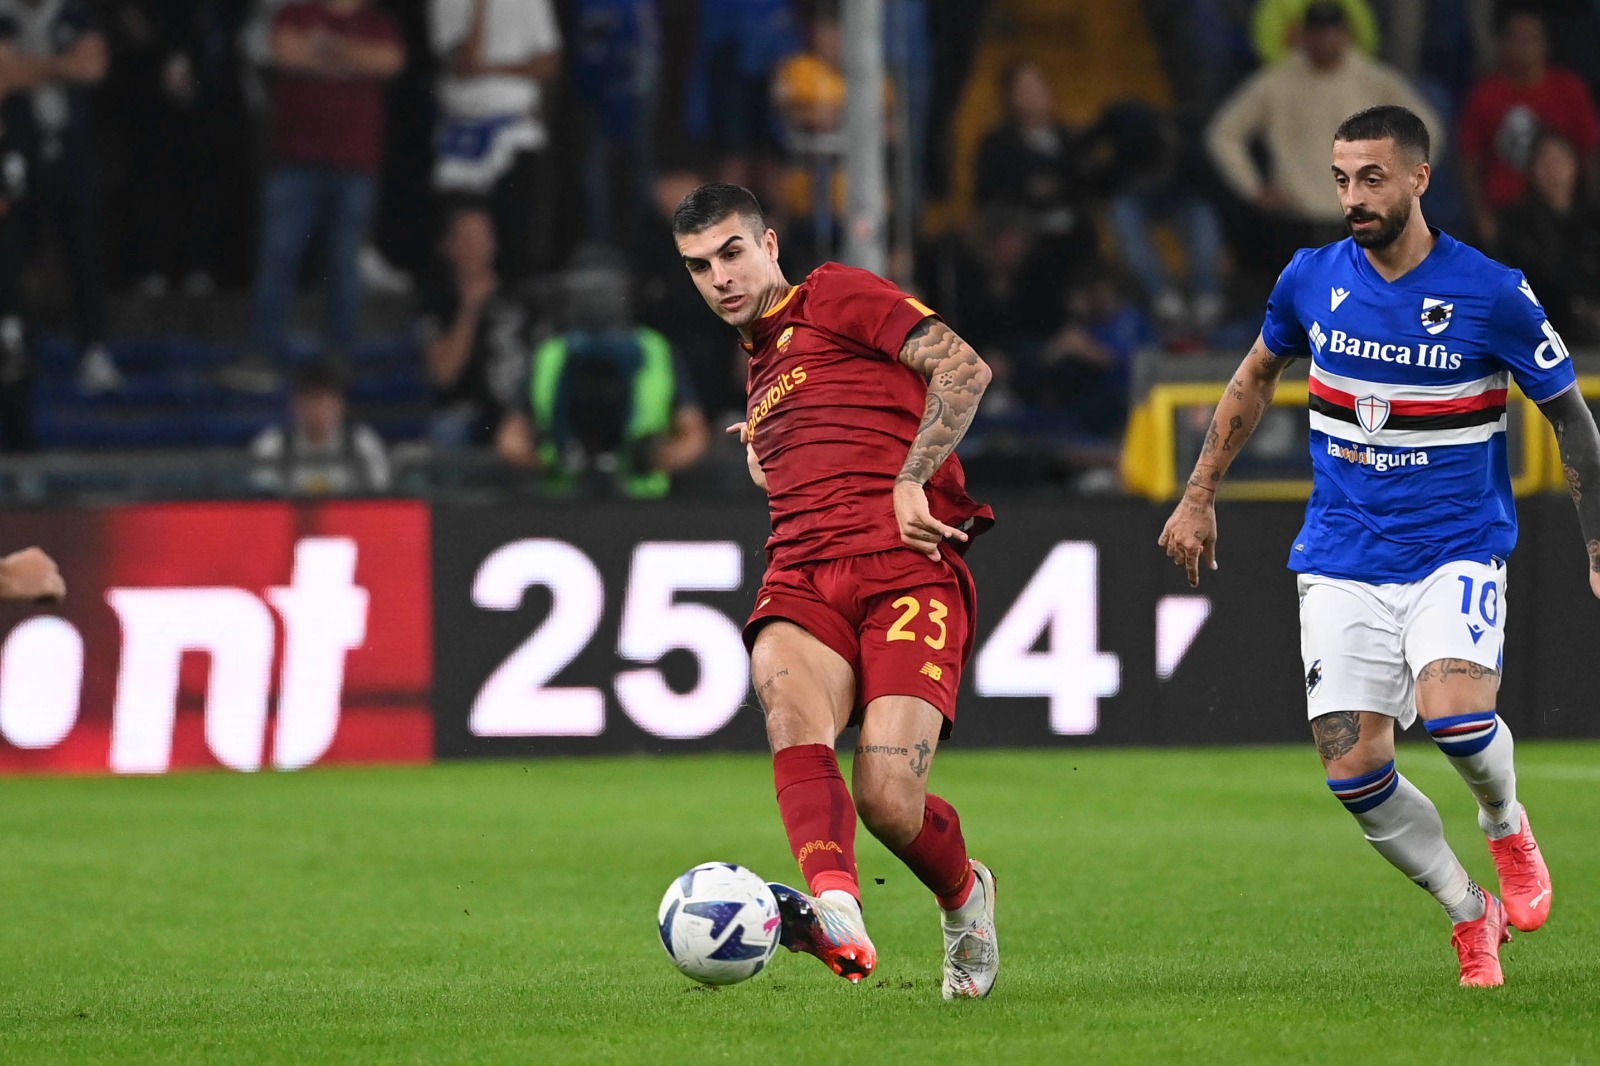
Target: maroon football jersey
[(832, 412)]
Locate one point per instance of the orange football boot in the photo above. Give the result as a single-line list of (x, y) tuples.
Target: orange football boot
[(1524, 878), (1478, 945)]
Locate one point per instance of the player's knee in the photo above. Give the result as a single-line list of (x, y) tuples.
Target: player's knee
[(892, 813), (1352, 743)]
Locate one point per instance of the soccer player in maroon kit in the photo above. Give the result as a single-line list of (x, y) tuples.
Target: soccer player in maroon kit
[(858, 395)]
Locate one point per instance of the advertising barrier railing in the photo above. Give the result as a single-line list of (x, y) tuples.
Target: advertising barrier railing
[(253, 636)]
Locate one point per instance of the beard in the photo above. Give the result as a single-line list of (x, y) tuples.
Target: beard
[(1388, 230)]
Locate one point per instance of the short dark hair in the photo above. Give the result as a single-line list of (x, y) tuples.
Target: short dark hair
[(713, 202), (1387, 122)]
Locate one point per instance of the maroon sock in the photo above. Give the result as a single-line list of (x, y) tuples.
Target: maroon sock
[(818, 815), (938, 856)]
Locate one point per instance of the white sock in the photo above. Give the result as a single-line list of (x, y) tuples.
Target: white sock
[(839, 895), (971, 910), (1480, 747), (1405, 828)]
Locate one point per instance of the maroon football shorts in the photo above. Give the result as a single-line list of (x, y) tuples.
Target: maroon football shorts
[(903, 622)]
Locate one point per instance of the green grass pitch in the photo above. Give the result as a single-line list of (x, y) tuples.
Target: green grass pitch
[(1155, 907)]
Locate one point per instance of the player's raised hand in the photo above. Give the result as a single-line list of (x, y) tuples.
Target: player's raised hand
[(1190, 537), (30, 574), (919, 530)]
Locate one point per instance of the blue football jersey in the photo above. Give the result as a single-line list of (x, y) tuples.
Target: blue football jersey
[(1408, 405)]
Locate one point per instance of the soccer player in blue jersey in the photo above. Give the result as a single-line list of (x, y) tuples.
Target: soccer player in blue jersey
[(1413, 339)]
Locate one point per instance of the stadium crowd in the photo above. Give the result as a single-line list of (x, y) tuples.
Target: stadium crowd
[(506, 171)]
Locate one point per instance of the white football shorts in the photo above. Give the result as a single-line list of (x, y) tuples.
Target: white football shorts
[(1362, 644)]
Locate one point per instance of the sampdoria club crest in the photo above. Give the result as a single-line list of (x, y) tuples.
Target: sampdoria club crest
[(1435, 314)]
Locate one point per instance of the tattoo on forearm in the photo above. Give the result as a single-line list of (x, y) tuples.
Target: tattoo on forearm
[(1442, 670), (1210, 445), (956, 380), (1234, 424), (1336, 734), (1579, 445)]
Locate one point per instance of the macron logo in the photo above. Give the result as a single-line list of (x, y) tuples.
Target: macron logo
[(1338, 298)]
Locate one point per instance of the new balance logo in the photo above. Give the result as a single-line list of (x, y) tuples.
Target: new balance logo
[(1476, 631), (1318, 337), (935, 672), (1338, 298)]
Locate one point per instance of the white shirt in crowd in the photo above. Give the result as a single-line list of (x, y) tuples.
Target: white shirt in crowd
[(353, 462), (514, 31), (1296, 108)]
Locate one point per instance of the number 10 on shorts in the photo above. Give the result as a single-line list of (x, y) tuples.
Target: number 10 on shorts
[(1488, 598)]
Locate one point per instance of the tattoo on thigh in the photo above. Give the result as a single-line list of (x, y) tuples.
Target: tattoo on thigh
[(1336, 733), (1443, 670), (919, 765), (766, 686), (880, 749)]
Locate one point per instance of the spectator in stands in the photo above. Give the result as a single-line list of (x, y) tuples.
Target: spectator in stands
[(177, 99), (1277, 27), (1030, 163), (1152, 172), (319, 451), (331, 59), (475, 336), (1505, 112), (1294, 106), (1083, 373), (499, 59), (809, 91), (716, 365), (610, 410), (616, 60), (16, 355), (739, 47), (57, 55), (1553, 236), (990, 282)]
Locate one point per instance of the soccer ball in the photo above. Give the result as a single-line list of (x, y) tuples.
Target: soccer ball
[(719, 923)]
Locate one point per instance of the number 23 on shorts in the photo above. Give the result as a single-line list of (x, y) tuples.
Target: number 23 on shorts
[(910, 608)]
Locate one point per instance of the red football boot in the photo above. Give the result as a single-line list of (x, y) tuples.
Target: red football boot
[(1478, 945), (1524, 878)]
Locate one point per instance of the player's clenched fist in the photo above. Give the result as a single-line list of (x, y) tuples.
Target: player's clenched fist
[(1191, 536), (30, 574), (919, 530)]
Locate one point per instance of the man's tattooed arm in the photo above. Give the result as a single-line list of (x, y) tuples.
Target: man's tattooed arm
[(1579, 443), (956, 380), (1238, 413)]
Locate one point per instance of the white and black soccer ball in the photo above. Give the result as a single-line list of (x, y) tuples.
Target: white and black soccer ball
[(719, 923)]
